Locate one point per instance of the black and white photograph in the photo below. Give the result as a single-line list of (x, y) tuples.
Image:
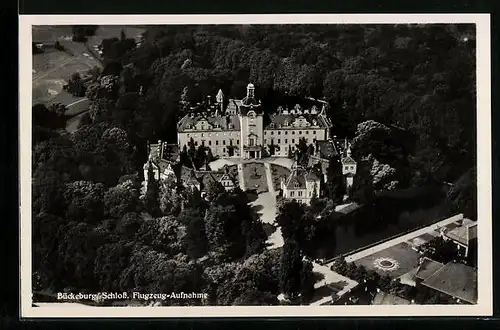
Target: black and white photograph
[(239, 165)]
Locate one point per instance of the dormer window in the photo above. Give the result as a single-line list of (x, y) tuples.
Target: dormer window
[(297, 185)]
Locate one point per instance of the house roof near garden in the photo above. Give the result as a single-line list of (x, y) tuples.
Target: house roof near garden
[(456, 280), (384, 298), (427, 268)]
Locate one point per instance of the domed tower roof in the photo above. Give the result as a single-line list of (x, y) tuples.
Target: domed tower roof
[(249, 101)]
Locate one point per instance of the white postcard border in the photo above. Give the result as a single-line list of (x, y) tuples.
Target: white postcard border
[(483, 82)]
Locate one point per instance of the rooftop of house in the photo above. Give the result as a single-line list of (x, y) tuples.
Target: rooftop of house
[(348, 160), (208, 121), (427, 268), (456, 280), (384, 298), (298, 179), (464, 233), (325, 149), (297, 121)]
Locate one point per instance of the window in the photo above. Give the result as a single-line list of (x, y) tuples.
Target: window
[(216, 142), (314, 132), (293, 132), (209, 143), (286, 132), (265, 141), (293, 140), (292, 193), (279, 132), (286, 140), (279, 141), (299, 193), (230, 142), (237, 141), (223, 149), (310, 193), (195, 143), (300, 132), (201, 134), (272, 132), (224, 142)]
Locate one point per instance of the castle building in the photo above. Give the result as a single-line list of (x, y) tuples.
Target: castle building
[(240, 129)]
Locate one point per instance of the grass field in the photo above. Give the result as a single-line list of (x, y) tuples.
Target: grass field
[(254, 175), (52, 69), (405, 257)]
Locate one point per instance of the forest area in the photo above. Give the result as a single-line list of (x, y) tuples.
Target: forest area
[(94, 229)]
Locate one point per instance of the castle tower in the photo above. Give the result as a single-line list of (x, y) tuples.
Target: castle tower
[(220, 100), (251, 123)]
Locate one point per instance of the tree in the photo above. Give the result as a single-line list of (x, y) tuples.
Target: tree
[(111, 260), (296, 224), (291, 269), (169, 199), (76, 252), (441, 250), (121, 199), (75, 85), (85, 201), (307, 281), (164, 234), (196, 237), (335, 179), (152, 193)]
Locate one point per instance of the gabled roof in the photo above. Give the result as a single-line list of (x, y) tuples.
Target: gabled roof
[(188, 176), (278, 121), (348, 161), (456, 280), (427, 268), (224, 122), (325, 149), (463, 234), (296, 181), (384, 298)]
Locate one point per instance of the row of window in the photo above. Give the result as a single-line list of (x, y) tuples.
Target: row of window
[(271, 141), (348, 167), (293, 132), (299, 193), (210, 134), (217, 142)]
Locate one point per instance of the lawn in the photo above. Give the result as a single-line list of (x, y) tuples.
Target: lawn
[(233, 171), (278, 172), (254, 175), (395, 261)]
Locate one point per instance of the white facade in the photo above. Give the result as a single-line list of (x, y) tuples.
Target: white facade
[(239, 130)]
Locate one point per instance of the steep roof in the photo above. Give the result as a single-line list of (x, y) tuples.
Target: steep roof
[(223, 122), (298, 178), (456, 280), (348, 161), (384, 298), (278, 121), (188, 175), (427, 268), (325, 149), (463, 234)]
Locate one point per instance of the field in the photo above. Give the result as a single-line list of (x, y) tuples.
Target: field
[(254, 175), (52, 69), (394, 261)]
